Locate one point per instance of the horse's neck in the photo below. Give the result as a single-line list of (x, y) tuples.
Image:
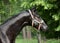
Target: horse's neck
[(12, 21)]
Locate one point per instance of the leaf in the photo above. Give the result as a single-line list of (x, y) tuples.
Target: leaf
[(55, 17), (58, 28)]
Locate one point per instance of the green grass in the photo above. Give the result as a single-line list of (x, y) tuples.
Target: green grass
[(53, 41), (35, 41), (26, 41)]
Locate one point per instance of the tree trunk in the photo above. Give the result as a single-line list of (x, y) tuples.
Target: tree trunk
[(39, 37), (24, 32), (28, 32), (44, 39)]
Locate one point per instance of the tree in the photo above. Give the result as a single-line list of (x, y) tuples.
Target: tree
[(24, 32), (28, 32)]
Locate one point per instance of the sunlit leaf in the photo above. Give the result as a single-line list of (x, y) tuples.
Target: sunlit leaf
[(58, 28), (55, 17)]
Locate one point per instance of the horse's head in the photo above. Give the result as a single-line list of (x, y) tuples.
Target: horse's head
[(37, 21)]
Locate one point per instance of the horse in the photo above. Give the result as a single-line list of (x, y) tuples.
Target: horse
[(12, 27)]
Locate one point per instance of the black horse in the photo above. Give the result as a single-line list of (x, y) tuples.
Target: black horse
[(11, 28)]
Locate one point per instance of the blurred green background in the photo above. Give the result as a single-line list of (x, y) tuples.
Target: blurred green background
[(49, 10)]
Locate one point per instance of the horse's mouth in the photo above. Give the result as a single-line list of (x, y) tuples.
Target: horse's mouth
[(41, 28)]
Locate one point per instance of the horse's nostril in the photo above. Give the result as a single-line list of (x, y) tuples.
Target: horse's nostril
[(44, 28)]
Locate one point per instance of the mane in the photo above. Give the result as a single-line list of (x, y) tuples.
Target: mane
[(13, 17)]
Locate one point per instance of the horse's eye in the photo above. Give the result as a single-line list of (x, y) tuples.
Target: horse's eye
[(35, 23)]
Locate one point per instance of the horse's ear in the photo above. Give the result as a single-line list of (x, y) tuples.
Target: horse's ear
[(33, 9)]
